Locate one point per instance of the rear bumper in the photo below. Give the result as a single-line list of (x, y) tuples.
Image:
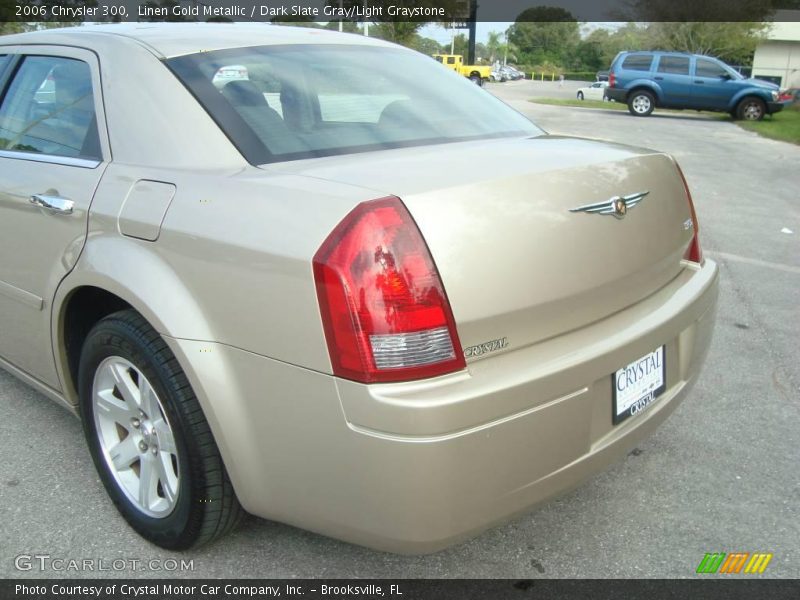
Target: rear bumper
[(617, 94), (414, 467), (774, 107)]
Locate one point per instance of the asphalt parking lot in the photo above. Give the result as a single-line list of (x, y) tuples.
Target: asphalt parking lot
[(721, 475)]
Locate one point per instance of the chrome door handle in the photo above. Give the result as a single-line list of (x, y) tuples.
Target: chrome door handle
[(55, 203)]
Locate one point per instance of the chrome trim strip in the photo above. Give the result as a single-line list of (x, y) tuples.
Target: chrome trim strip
[(22, 296), (67, 161)]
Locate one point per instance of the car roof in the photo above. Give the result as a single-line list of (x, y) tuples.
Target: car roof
[(666, 53), (168, 40)]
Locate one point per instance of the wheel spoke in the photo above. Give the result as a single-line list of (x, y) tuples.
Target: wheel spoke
[(147, 399), (113, 408), (127, 388), (148, 480), (167, 477), (166, 440), (124, 454)]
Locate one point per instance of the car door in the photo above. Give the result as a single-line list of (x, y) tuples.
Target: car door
[(711, 85), (596, 90), (672, 74), (53, 151)]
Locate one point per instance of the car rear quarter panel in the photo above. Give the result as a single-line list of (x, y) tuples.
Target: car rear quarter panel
[(641, 83)]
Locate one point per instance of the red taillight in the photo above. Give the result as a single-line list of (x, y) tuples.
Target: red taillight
[(384, 310), (693, 252), (611, 79)]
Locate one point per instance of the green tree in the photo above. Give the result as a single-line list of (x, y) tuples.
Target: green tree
[(424, 45), (734, 42), (545, 34), (494, 40)]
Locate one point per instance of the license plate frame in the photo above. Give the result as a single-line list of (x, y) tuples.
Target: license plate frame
[(650, 373)]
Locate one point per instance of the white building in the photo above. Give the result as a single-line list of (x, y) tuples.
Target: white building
[(778, 57)]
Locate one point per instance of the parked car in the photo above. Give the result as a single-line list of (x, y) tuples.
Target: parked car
[(512, 73), (596, 91), (497, 76), (286, 312), (229, 73), (645, 80)]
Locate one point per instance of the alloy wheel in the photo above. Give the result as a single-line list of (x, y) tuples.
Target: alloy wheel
[(136, 438), (641, 104)]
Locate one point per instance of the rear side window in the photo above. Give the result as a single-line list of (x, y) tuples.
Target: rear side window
[(451, 60), (638, 62), (49, 109), (708, 68), (678, 65)]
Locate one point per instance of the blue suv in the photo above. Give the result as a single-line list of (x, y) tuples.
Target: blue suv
[(644, 80)]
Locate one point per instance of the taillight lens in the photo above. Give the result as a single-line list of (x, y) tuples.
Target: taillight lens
[(694, 252), (611, 79), (384, 309)]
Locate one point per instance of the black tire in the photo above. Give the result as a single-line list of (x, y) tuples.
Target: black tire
[(751, 109), (580, 95), (476, 79), (641, 103), (205, 506)]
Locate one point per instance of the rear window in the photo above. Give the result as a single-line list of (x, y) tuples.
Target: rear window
[(280, 103), (678, 65), (637, 62)]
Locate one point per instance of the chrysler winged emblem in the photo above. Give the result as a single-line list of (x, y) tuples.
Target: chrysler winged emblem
[(617, 206)]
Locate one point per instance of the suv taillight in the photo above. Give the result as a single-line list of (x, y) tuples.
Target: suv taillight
[(611, 79), (384, 309), (693, 252)]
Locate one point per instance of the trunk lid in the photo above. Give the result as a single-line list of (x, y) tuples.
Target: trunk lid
[(517, 265)]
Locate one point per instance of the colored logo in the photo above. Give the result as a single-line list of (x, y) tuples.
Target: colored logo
[(734, 563)]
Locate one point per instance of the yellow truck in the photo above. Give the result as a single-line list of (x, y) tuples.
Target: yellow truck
[(475, 73)]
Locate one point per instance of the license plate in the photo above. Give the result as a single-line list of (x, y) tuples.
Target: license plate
[(637, 385)]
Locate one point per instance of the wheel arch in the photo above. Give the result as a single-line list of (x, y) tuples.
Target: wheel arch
[(100, 285), (742, 95), (647, 87)]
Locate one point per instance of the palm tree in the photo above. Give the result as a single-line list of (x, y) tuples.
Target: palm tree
[(493, 44), (509, 50)]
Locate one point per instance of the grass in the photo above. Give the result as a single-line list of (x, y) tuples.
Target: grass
[(783, 126), (580, 103)]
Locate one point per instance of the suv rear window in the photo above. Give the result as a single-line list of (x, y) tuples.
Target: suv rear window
[(288, 102), (678, 65), (638, 62)]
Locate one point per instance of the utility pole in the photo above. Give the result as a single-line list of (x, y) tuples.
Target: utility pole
[(473, 17)]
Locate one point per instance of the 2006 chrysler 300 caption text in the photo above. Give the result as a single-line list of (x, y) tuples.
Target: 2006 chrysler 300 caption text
[(320, 278)]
